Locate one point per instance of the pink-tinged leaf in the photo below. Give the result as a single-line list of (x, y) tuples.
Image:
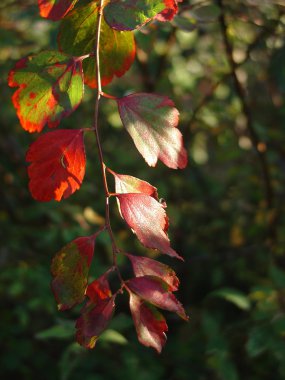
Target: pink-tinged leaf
[(171, 8), (93, 321), (132, 14), (152, 121), (77, 36), (55, 9), (50, 88), (57, 164), (129, 184), (147, 218), (149, 323), (155, 291), (99, 289), (144, 266), (70, 268)]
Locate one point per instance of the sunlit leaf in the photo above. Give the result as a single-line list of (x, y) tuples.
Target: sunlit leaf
[(50, 88), (77, 37), (151, 120), (148, 220), (129, 184), (57, 164), (99, 289), (149, 323), (131, 14), (70, 268), (55, 9)]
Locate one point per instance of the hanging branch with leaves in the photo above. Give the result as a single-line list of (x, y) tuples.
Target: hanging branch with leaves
[(96, 43)]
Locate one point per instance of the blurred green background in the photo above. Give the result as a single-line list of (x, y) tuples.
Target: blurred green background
[(226, 208)]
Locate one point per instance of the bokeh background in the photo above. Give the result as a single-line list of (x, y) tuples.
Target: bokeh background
[(223, 64)]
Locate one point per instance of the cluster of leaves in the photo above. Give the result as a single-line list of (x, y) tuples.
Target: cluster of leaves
[(50, 87)]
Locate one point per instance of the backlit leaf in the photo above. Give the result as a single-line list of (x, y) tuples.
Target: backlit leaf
[(93, 321), (148, 220), (77, 37), (131, 14), (70, 268), (57, 164), (99, 289), (129, 184), (151, 120), (157, 292), (149, 323), (50, 88), (145, 266), (55, 9)]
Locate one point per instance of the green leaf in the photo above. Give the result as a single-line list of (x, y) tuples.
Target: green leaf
[(113, 336), (77, 37), (70, 268), (234, 296), (64, 330), (277, 276), (131, 14), (258, 341)]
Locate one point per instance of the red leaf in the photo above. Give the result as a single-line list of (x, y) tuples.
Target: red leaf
[(149, 323), (50, 88), (145, 266), (128, 184), (151, 120), (99, 289), (93, 321), (148, 220), (55, 9), (169, 12), (57, 164), (70, 268), (156, 292)]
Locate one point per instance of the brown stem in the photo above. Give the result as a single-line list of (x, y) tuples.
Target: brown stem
[(246, 109), (98, 142)]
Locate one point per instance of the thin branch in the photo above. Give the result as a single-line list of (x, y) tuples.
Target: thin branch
[(246, 109), (98, 142)]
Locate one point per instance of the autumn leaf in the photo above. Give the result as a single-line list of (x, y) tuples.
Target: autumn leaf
[(129, 184), (151, 120), (132, 14), (77, 37), (57, 164), (145, 266), (149, 323), (50, 88), (96, 314), (55, 9), (99, 289), (70, 268), (148, 220), (155, 291)]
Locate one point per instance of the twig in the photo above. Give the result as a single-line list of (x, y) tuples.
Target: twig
[(98, 142), (246, 109)]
